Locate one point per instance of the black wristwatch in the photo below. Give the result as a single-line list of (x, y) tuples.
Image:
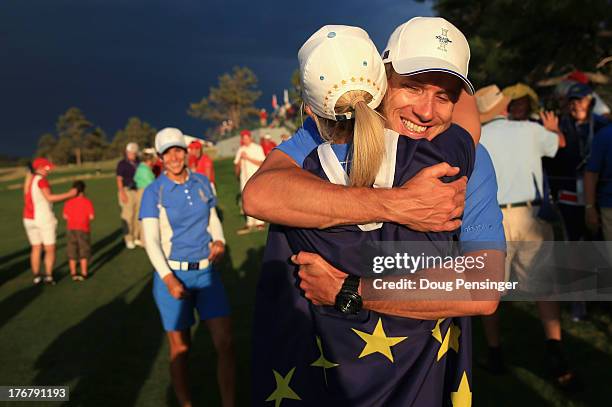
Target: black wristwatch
[(348, 300)]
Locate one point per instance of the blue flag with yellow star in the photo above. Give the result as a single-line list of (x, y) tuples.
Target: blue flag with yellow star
[(316, 356)]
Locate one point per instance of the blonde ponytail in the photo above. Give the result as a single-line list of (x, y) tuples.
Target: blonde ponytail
[(368, 145), (365, 129), (368, 137)]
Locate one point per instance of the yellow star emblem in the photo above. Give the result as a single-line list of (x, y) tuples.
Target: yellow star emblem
[(451, 339), (436, 331), (322, 362), (378, 341), (463, 396), (283, 391)]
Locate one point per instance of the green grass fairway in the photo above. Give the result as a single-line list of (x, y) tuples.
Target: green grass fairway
[(103, 337)]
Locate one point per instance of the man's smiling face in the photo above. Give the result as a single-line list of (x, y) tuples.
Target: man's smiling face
[(421, 106)]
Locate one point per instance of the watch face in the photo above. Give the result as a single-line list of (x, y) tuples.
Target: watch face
[(348, 303)]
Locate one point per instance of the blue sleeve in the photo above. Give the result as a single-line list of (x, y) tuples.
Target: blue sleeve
[(148, 204), (482, 227), (302, 143), (599, 150)]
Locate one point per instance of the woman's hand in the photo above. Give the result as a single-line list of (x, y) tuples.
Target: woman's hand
[(217, 249), (175, 287)]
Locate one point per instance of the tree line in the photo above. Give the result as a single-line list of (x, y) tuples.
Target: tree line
[(77, 139)]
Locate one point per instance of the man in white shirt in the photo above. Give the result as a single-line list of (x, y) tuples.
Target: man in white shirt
[(249, 158), (517, 148)]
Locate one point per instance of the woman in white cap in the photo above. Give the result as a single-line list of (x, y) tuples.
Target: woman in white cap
[(184, 239), (315, 353)]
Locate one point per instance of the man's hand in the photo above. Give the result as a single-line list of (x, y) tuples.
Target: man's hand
[(123, 196), (175, 287), (592, 218), (217, 249), (321, 281), (425, 203)]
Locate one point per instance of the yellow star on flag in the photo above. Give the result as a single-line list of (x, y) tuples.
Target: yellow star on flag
[(322, 362), (436, 331), (463, 396), (378, 341), (451, 339), (283, 391)]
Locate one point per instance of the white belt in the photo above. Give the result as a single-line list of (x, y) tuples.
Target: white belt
[(188, 265)]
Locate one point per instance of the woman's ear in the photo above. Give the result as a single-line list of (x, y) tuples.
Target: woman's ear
[(309, 111)]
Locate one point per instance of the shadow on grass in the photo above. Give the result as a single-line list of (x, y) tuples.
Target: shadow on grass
[(13, 270), (106, 256), (111, 352), (10, 271), (18, 301), (528, 381)]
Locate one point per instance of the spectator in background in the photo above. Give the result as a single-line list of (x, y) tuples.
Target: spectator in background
[(39, 220), (267, 144), (600, 107), (143, 177), (144, 172), (247, 161), (566, 170), (598, 183), (200, 162), (78, 213), (579, 125), (263, 118), (128, 196), (524, 102), (518, 188)]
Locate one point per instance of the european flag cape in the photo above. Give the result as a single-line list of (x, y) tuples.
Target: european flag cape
[(315, 356)]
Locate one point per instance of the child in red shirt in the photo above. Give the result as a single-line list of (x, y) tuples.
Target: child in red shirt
[(78, 212)]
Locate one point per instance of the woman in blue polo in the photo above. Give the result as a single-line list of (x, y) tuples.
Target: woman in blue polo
[(184, 238)]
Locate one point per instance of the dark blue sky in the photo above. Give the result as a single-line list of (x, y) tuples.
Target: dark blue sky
[(150, 58)]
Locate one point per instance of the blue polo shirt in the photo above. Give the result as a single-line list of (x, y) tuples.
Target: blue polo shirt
[(183, 211), (600, 161), (482, 227)]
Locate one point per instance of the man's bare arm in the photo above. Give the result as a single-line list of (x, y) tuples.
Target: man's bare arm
[(283, 193), (465, 114)]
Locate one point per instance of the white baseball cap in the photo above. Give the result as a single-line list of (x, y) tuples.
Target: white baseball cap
[(169, 137), (131, 147), (429, 44), (337, 59)]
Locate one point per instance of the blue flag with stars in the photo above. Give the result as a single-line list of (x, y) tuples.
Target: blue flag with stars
[(316, 356)]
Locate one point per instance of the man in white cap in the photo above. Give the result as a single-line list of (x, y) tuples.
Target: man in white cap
[(520, 190), (128, 195), (422, 77), (427, 60)]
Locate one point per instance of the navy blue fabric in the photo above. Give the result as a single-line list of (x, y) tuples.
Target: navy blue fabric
[(287, 326)]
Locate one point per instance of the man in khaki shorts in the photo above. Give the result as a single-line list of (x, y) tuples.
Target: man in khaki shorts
[(517, 148), (128, 196)]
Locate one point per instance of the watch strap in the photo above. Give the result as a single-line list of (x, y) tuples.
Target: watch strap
[(351, 283)]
